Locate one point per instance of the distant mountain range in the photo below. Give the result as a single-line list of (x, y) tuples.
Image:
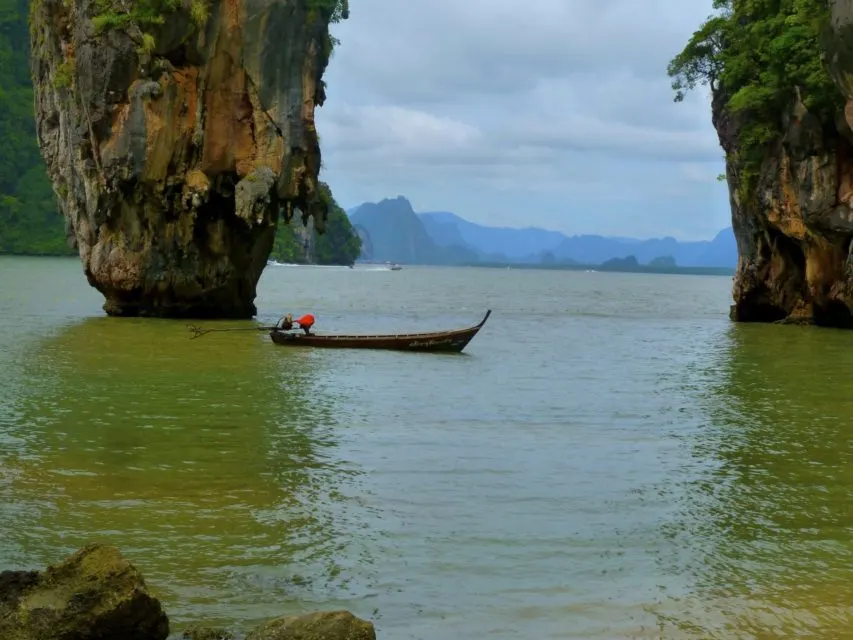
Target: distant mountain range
[(392, 231)]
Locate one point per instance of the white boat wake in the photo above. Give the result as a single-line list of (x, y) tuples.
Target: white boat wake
[(274, 263)]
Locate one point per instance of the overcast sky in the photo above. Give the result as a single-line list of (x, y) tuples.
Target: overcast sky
[(550, 113)]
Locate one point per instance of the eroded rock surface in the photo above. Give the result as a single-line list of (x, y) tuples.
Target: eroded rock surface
[(796, 240), (174, 143), (94, 594), (201, 632), (321, 625)]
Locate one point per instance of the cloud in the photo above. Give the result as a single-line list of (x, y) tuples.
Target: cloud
[(390, 128), (556, 113)]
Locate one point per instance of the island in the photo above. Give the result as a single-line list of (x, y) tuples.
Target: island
[(176, 134), (781, 78)]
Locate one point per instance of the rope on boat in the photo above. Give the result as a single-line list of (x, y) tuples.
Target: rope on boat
[(198, 332)]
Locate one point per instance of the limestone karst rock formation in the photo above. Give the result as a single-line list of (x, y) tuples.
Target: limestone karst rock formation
[(795, 237), (175, 132)]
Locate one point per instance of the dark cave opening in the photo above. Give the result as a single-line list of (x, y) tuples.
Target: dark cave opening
[(781, 289), (757, 307), (220, 205), (178, 56), (791, 252), (833, 314)]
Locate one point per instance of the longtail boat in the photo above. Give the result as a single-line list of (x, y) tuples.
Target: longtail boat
[(453, 341)]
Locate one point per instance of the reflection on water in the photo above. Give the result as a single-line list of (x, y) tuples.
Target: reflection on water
[(202, 460), (613, 459), (764, 529)]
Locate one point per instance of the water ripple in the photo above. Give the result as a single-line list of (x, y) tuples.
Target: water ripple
[(610, 459)]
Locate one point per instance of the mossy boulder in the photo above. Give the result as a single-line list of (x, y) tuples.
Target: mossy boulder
[(321, 625), (94, 594)]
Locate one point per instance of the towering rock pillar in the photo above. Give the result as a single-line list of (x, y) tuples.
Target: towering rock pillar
[(175, 132)]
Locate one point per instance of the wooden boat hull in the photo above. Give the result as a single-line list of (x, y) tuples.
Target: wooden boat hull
[(453, 341)]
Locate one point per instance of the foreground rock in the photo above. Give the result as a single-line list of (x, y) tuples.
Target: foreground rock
[(333, 625), (95, 594), (174, 143)]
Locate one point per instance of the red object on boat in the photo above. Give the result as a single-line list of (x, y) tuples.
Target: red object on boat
[(452, 341)]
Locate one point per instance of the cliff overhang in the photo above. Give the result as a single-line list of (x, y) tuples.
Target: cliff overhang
[(176, 133)]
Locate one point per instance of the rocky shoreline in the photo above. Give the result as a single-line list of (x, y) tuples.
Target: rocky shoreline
[(96, 594)]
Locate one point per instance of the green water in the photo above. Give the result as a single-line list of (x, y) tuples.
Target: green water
[(610, 459)]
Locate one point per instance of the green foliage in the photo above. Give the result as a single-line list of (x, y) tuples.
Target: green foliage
[(144, 14), (64, 74), (339, 244), (758, 54), (700, 61), (147, 46), (287, 247), (333, 11), (29, 220), (199, 12)]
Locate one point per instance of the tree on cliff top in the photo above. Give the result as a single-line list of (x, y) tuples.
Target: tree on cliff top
[(756, 54)]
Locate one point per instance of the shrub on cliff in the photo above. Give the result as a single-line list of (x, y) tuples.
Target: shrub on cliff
[(757, 55)]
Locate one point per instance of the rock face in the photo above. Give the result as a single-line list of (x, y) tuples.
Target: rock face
[(94, 594), (200, 632), (175, 132), (322, 625), (795, 240)]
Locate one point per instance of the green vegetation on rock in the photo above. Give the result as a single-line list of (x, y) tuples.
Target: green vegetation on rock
[(757, 55), (339, 244), (333, 11), (113, 14), (29, 220)]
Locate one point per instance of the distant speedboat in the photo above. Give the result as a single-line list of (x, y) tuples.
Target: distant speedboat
[(395, 267)]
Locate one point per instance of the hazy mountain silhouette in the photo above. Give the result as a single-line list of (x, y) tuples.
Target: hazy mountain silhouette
[(396, 234), (399, 234)]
